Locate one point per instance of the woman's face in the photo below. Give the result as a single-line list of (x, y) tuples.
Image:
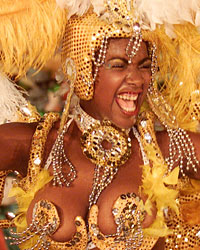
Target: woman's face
[(120, 87)]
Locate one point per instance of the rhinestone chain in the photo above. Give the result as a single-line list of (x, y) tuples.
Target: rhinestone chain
[(154, 66), (136, 39), (47, 229), (180, 148), (103, 176), (59, 158)]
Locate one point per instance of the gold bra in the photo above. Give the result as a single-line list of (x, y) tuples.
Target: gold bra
[(128, 214)]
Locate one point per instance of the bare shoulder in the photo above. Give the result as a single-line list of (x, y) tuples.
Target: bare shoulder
[(17, 127), (15, 142), (195, 137), (163, 142)]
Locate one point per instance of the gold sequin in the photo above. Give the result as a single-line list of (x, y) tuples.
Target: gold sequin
[(125, 211), (37, 149)]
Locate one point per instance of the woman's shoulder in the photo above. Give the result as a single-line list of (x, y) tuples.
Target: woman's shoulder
[(16, 139), (14, 128), (163, 141), (15, 142)]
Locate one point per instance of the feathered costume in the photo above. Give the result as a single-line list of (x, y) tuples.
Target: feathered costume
[(31, 32)]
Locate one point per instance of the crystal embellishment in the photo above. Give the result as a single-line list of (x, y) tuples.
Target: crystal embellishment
[(198, 234), (144, 123), (115, 211), (37, 161), (148, 137)]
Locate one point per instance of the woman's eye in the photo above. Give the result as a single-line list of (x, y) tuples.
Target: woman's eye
[(118, 66), (145, 66), (115, 65)]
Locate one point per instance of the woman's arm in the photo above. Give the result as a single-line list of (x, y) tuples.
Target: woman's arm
[(195, 138), (15, 142)]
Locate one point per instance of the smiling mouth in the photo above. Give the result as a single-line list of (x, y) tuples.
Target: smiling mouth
[(127, 102)]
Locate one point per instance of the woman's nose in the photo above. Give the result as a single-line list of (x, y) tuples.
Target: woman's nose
[(134, 77)]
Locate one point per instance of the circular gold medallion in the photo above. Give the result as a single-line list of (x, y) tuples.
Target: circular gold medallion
[(93, 140)]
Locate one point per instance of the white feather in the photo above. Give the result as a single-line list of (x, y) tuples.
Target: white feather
[(150, 12), (98, 5), (11, 100), (197, 19), (78, 7), (156, 12)]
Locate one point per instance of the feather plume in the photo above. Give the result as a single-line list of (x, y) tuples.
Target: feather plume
[(169, 12), (11, 100), (150, 14), (98, 6), (14, 107), (154, 186), (78, 7), (184, 70), (30, 33)]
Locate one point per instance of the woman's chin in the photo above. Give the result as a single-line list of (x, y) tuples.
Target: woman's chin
[(124, 123)]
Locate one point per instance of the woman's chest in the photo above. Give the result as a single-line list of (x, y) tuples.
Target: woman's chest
[(74, 201)]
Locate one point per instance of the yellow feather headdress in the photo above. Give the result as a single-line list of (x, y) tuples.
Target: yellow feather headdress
[(31, 32)]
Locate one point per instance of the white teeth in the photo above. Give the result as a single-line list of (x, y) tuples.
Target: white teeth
[(129, 109), (128, 97)]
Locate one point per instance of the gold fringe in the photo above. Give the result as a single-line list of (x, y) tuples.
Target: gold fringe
[(30, 33)]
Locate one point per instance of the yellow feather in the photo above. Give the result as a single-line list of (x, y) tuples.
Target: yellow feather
[(154, 186), (24, 198), (30, 33), (179, 70)]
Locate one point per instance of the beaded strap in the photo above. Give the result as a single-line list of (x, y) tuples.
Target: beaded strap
[(37, 149), (146, 130)]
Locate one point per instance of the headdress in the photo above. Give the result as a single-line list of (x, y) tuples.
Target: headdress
[(32, 32)]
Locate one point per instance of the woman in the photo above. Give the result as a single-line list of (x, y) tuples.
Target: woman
[(84, 187)]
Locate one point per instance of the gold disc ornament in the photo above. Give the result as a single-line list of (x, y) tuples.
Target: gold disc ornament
[(92, 144)]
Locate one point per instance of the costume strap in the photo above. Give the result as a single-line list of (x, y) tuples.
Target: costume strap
[(37, 149)]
